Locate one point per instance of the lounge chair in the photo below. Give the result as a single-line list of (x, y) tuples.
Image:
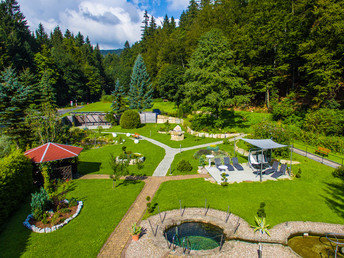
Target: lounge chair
[(227, 162), (236, 163), (217, 162), (273, 169), (281, 172)]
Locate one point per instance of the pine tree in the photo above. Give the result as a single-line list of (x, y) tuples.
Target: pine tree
[(141, 90), (14, 99), (144, 28), (46, 90), (119, 103)]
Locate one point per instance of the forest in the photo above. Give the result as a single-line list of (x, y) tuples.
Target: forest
[(285, 57)]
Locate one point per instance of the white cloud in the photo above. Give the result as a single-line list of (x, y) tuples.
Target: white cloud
[(177, 4), (109, 23)]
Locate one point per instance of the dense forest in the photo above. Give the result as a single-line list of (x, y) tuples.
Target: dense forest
[(223, 54)]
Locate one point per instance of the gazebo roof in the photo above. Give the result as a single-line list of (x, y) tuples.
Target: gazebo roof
[(264, 144), (52, 151)]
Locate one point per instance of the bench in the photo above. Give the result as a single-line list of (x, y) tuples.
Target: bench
[(322, 151), (136, 136)]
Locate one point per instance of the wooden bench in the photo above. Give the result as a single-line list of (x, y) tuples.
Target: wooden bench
[(322, 151)]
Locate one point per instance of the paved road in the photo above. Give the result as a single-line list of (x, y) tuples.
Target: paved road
[(317, 158)]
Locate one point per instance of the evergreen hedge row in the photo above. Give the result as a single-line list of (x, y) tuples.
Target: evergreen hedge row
[(15, 183)]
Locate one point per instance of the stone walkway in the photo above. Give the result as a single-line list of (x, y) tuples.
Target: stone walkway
[(120, 236)]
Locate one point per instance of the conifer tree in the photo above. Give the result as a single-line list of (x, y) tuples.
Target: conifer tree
[(119, 103), (141, 90), (14, 99)]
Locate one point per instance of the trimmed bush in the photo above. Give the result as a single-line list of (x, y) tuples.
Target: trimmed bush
[(339, 172), (39, 203), (184, 166), (130, 119), (15, 183)]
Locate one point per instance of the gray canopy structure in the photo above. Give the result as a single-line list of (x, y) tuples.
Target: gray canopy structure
[(263, 145)]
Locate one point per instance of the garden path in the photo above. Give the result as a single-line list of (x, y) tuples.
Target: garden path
[(165, 164), (317, 158), (120, 236)]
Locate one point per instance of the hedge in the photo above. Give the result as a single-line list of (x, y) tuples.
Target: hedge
[(15, 183), (130, 119)]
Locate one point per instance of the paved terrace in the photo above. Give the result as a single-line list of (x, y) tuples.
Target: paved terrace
[(236, 176)]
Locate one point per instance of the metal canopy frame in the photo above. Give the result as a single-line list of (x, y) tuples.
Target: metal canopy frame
[(269, 148), (87, 121)]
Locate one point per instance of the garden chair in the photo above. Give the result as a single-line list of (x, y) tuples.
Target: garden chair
[(281, 172), (236, 163), (217, 162), (227, 162), (273, 169)]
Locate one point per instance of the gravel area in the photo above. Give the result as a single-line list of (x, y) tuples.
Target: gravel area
[(235, 229)]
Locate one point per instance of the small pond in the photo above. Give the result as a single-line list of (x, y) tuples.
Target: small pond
[(314, 246), (202, 236)]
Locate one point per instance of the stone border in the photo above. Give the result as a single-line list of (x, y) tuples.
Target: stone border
[(236, 229), (27, 224)]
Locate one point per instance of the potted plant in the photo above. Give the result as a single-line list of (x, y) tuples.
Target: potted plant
[(135, 232)]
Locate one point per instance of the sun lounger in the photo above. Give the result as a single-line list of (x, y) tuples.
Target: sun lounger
[(217, 162), (236, 163), (273, 169), (281, 172), (227, 162)]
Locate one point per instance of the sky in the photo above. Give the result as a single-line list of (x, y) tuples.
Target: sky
[(107, 22)]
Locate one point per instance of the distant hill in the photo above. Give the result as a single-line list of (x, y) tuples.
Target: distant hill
[(111, 51)]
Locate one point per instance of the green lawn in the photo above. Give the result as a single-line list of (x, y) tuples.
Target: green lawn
[(188, 155), (165, 107), (334, 156), (96, 161), (84, 236), (151, 131), (316, 196)]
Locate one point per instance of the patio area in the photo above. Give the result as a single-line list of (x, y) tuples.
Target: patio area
[(246, 175)]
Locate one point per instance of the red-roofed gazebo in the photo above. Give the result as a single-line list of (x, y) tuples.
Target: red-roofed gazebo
[(52, 151), (56, 152)]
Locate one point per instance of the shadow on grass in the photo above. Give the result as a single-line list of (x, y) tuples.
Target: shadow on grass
[(336, 199), (14, 237), (85, 167)]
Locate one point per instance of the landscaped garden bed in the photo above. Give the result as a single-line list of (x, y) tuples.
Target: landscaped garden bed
[(55, 220)]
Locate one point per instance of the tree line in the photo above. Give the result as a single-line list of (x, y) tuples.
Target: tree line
[(243, 52)]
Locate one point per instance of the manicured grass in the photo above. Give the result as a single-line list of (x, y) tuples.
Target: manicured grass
[(165, 107), (334, 156), (96, 161), (97, 106), (151, 131), (243, 120), (316, 196), (84, 236)]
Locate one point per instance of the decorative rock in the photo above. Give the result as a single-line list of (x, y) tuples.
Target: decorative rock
[(114, 135), (128, 134), (53, 228), (47, 230), (136, 141)]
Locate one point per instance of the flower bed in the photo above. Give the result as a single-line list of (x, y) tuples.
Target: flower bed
[(31, 224)]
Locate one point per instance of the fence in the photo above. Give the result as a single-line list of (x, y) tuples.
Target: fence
[(312, 150)]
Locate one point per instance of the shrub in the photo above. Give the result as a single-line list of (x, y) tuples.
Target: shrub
[(107, 98), (184, 166), (130, 119), (148, 198), (201, 152), (5, 145), (72, 202), (39, 203), (201, 161), (15, 182), (298, 174), (325, 121), (339, 172), (284, 108), (111, 118)]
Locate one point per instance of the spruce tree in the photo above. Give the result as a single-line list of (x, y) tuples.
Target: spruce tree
[(141, 90), (119, 103), (14, 99)]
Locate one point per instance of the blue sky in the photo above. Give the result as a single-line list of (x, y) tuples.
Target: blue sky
[(107, 22)]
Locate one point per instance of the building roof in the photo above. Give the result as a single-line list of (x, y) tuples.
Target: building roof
[(52, 151), (264, 144)]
